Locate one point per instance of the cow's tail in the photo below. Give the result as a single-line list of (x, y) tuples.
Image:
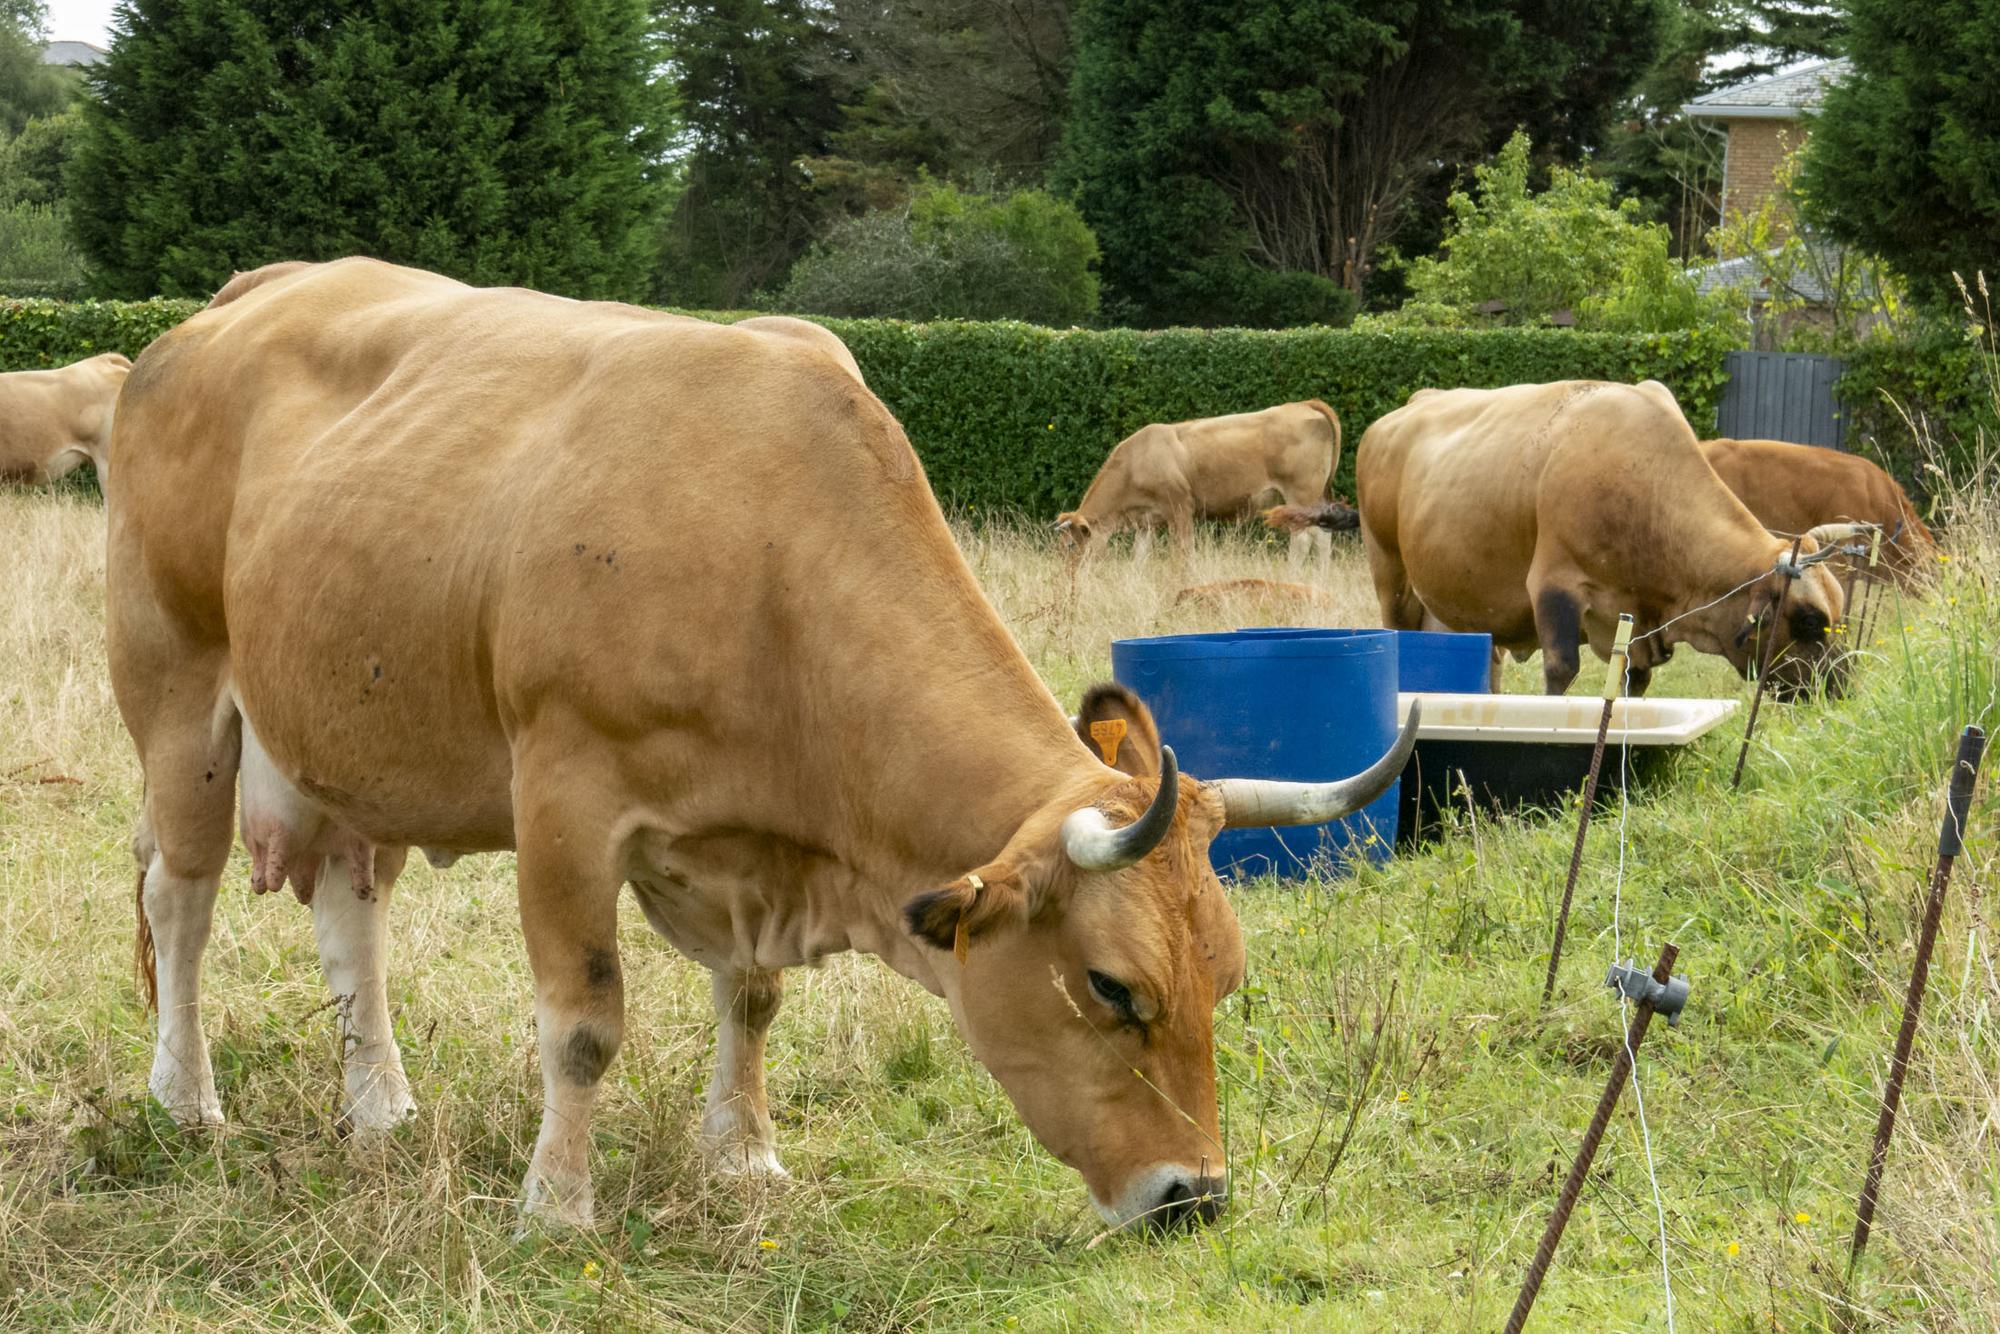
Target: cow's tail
[(1333, 420), (1328, 514), (144, 968)]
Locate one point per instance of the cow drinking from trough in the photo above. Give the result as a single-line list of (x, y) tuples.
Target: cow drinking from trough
[(1538, 513), (53, 422), (462, 569), (1217, 467)]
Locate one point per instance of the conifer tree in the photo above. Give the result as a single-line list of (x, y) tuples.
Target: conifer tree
[(496, 142)]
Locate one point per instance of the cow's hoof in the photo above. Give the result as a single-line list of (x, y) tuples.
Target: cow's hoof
[(559, 1205), (191, 1107), (746, 1160), (377, 1103)]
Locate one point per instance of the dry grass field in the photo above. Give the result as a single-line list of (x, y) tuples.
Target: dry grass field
[(1398, 1104)]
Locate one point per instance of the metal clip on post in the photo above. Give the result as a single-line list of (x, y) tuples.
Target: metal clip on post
[(1667, 998), (1673, 990)]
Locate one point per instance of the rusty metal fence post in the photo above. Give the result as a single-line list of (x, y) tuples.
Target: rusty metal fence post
[(1614, 686), (1951, 841), (1766, 657), (1667, 995)]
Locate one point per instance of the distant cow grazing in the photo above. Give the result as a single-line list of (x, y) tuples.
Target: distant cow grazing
[(1795, 488), (467, 569), (53, 422), (1216, 467), (1539, 513)]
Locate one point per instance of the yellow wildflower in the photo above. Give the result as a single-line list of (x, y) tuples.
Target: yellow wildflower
[(767, 1245), (590, 1269), (1802, 1218), (1734, 1248)]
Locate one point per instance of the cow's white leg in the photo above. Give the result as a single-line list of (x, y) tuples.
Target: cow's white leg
[(568, 885), (1300, 548), (1142, 544), (736, 1122), (353, 953), (1323, 546), (179, 910)]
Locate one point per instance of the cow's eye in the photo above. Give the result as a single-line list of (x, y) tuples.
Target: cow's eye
[(1112, 992)]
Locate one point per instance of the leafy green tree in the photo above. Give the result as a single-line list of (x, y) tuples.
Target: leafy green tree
[(950, 254), (1513, 256), (981, 86), (32, 162), (1817, 296), (757, 103), (1206, 143), (1904, 158), (496, 142), (28, 88)]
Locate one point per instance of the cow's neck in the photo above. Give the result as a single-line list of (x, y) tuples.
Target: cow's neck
[(923, 741), (1704, 607)]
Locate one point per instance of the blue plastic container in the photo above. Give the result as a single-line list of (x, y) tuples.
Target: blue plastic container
[(1439, 661), (1302, 705)]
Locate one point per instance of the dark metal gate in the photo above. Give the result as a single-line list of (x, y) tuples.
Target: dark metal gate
[(1782, 396)]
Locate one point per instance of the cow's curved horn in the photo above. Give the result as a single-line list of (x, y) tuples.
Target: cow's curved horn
[(1094, 844), (1255, 803), (1827, 534)]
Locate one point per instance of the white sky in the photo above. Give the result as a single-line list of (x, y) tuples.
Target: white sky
[(81, 21)]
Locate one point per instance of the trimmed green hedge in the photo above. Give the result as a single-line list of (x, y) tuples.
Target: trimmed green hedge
[(1939, 380), (36, 333), (1014, 417)]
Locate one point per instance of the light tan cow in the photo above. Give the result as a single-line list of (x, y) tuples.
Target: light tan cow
[(1215, 468), (463, 569), (53, 422), (1795, 488), (1540, 512)]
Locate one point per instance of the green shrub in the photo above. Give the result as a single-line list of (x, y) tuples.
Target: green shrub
[(1936, 385), (954, 255), (1572, 247), (36, 334), (1013, 417), (1016, 417), (36, 256)]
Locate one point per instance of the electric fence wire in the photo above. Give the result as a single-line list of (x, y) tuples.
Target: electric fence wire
[(1618, 902), (1632, 1057)]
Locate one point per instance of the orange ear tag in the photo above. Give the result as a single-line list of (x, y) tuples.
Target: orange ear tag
[(961, 942), (1107, 733)]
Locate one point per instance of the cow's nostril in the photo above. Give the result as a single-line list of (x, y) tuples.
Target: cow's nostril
[(1187, 1202)]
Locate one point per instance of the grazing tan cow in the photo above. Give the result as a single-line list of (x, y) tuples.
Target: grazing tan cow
[(1540, 512), (1218, 468), (463, 569), (1795, 488), (53, 422)]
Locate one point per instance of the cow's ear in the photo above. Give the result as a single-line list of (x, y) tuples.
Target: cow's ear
[(969, 907), (1119, 728)]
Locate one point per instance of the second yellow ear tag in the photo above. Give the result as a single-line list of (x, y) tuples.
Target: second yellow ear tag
[(1107, 733)]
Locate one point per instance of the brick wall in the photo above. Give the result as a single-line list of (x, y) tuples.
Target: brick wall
[(1756, 147)]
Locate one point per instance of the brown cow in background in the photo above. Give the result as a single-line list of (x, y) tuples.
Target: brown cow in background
[(53, 422), (1215, 467), (1795, 488), (1540, 512)]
